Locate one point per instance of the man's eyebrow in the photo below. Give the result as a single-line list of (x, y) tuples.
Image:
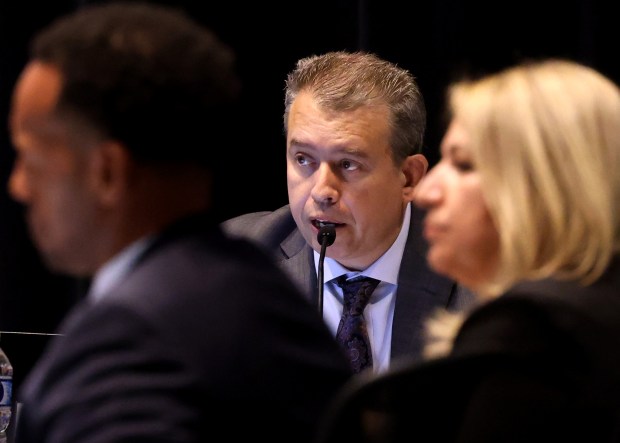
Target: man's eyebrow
[(343, 150), (299, 144)]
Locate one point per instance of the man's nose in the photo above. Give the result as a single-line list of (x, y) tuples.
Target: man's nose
[(326, 187), (17, 185)]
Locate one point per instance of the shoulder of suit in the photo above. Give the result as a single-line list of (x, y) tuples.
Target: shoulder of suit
[(262, 226)]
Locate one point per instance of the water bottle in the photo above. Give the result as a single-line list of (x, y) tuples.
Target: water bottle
[(6, 393)]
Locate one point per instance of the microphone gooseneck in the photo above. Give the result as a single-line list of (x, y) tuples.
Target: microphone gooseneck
[(326, 237)]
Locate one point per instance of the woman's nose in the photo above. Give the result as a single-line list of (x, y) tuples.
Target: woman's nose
[(428, 191)]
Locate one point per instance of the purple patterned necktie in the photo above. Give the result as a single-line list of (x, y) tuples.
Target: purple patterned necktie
[(352, 334)]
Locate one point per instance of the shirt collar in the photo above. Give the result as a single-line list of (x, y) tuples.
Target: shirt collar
[(385, 268), (116, 268)]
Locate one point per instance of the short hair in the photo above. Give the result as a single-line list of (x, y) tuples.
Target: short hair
[(344, 81), (545, 137), (145, 75)]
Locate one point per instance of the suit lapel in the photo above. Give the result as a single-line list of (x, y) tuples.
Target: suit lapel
[(420, 292), (297, 261)]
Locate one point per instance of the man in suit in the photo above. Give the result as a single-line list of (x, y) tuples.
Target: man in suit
[(354, 128), (185, 334)]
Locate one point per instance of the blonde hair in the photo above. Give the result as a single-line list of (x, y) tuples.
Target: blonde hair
[(545, 139)]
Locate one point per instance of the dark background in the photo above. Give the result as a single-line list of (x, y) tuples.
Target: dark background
[(438, 40)]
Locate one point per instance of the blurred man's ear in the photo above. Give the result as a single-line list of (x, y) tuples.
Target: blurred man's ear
[(111, 166), (413, 169)]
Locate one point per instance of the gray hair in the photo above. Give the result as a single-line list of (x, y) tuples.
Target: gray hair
[(344, 81)]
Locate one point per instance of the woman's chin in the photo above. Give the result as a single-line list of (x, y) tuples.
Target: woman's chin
[(438, 262)]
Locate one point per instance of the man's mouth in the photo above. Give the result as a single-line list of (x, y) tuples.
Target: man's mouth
[(322, 223)]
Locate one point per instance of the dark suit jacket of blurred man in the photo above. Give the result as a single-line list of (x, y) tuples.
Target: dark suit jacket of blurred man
[(269, 375)]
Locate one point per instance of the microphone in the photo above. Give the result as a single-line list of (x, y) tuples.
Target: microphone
[(326, 237)]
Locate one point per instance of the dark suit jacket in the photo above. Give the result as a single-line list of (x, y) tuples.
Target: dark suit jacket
[(204, 339), (420, 290), (539, 364)]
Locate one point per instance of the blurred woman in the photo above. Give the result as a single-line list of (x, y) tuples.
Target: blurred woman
[(525, 203)]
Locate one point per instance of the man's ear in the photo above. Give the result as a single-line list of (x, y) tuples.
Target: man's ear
[(111, 171), (414, 168)]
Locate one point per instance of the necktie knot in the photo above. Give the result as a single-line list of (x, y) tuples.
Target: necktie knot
[(357, 292), (352, 334)]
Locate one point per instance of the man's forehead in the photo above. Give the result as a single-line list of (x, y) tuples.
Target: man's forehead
[(36, 92)]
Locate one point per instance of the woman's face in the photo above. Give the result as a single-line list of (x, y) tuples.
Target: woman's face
[(463, 240)]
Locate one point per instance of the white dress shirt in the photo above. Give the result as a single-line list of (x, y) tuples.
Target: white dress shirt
[(115, 269), (379, 312)]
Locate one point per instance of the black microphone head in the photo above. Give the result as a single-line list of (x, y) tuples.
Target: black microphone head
[(326, 234)]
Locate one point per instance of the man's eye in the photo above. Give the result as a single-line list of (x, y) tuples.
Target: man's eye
[(348, 165), (301, 159)]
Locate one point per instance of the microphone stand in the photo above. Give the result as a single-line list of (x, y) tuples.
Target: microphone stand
[(326, 237)]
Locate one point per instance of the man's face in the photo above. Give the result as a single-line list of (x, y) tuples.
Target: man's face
[(340, 170), (50, 174)]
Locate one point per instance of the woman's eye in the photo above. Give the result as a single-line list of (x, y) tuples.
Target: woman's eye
[(464, 166)]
